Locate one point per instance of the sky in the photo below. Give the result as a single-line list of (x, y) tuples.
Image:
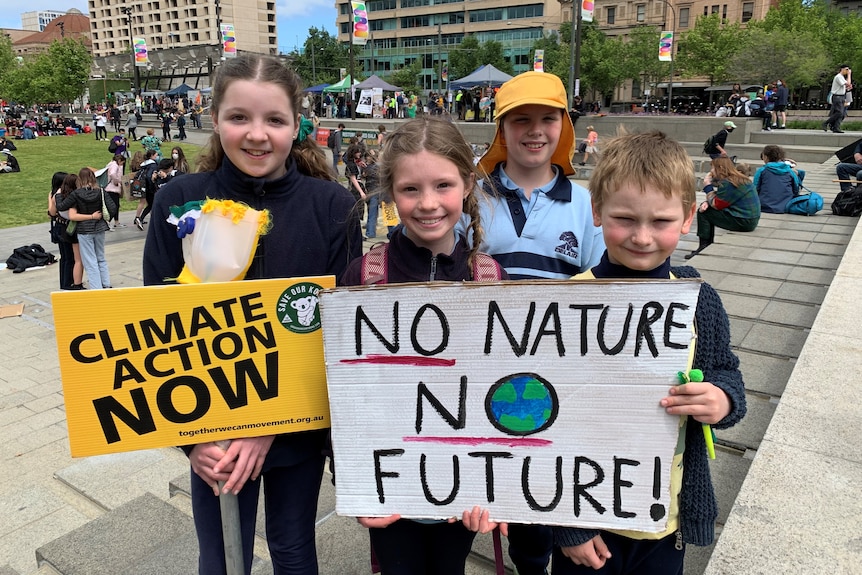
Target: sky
[(293, 17)]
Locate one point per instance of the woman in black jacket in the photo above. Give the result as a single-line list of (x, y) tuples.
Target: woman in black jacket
[(85, 207)]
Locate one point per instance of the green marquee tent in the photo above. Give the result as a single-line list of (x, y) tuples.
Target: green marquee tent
[(339, 86)]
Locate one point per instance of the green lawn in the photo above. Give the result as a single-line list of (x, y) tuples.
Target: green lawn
[(24, 195)]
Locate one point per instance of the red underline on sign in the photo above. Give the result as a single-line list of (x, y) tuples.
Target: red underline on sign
[(507, 441), (402, 360)]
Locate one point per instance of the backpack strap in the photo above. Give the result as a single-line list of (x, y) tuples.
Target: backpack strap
[(375, 265), (498, 552), (485, 268)]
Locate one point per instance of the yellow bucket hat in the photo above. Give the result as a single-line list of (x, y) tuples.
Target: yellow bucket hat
[(539, 88)]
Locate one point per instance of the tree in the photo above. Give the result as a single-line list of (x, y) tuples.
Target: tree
[(7, 58), (602, 60), (641, 56), (407, 77), (491, 52), (842, 43), (464, 58), (69, 64), (58, 75), (799, 58), (329, 56), (706, 49), (554, 53)]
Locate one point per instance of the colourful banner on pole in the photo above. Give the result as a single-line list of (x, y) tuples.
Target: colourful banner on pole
[(228, 40), (360, 23), (587, 7), (141, 56), (445, 74), (539, 61), (665, 46)]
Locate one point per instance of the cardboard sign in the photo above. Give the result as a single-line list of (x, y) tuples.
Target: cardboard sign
[(537, 400), (175, 365)]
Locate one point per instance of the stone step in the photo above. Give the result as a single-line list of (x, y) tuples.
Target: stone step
[(342, 544), (113, 545), (750, 152)]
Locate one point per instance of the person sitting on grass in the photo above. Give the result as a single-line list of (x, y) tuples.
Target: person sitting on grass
[(8, 162)]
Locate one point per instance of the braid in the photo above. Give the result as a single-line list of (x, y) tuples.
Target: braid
[(471, 208)]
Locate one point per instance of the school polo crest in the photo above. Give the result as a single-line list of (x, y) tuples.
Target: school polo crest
[(569, 247)]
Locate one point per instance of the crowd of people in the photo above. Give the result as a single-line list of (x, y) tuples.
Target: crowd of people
[(24, 127), (83, 208)]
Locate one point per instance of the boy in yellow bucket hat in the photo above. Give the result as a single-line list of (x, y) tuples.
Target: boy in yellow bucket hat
[(538, 224)]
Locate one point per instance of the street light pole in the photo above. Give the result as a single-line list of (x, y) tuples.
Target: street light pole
[(350, 82), (672, 59), (575, 56), (127, 10), (439, 60), (313, 65)]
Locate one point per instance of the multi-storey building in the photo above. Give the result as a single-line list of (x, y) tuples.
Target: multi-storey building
[(37, 21), (181, 23), (403, 31), (847, 7), (68, 25)]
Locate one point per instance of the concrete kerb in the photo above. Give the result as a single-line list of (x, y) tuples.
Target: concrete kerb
[(796, 511)]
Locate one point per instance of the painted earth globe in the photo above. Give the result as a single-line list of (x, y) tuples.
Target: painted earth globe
[(521, 404)]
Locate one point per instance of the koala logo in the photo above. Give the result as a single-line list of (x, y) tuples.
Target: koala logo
[(305, 309), (297, 308)]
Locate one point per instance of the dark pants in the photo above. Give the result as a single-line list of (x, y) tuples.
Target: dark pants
[(336, 154), (67, 263), (848, 171), (410, 548), (115, 213), (710, 219), (150, 196), (290, 496), (836, 112), (530, 547), (629, 557)]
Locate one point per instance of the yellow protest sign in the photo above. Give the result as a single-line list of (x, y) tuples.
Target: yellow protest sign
[(174, 365)]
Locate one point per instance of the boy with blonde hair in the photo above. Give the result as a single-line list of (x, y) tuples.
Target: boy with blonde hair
[(643, 198)]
